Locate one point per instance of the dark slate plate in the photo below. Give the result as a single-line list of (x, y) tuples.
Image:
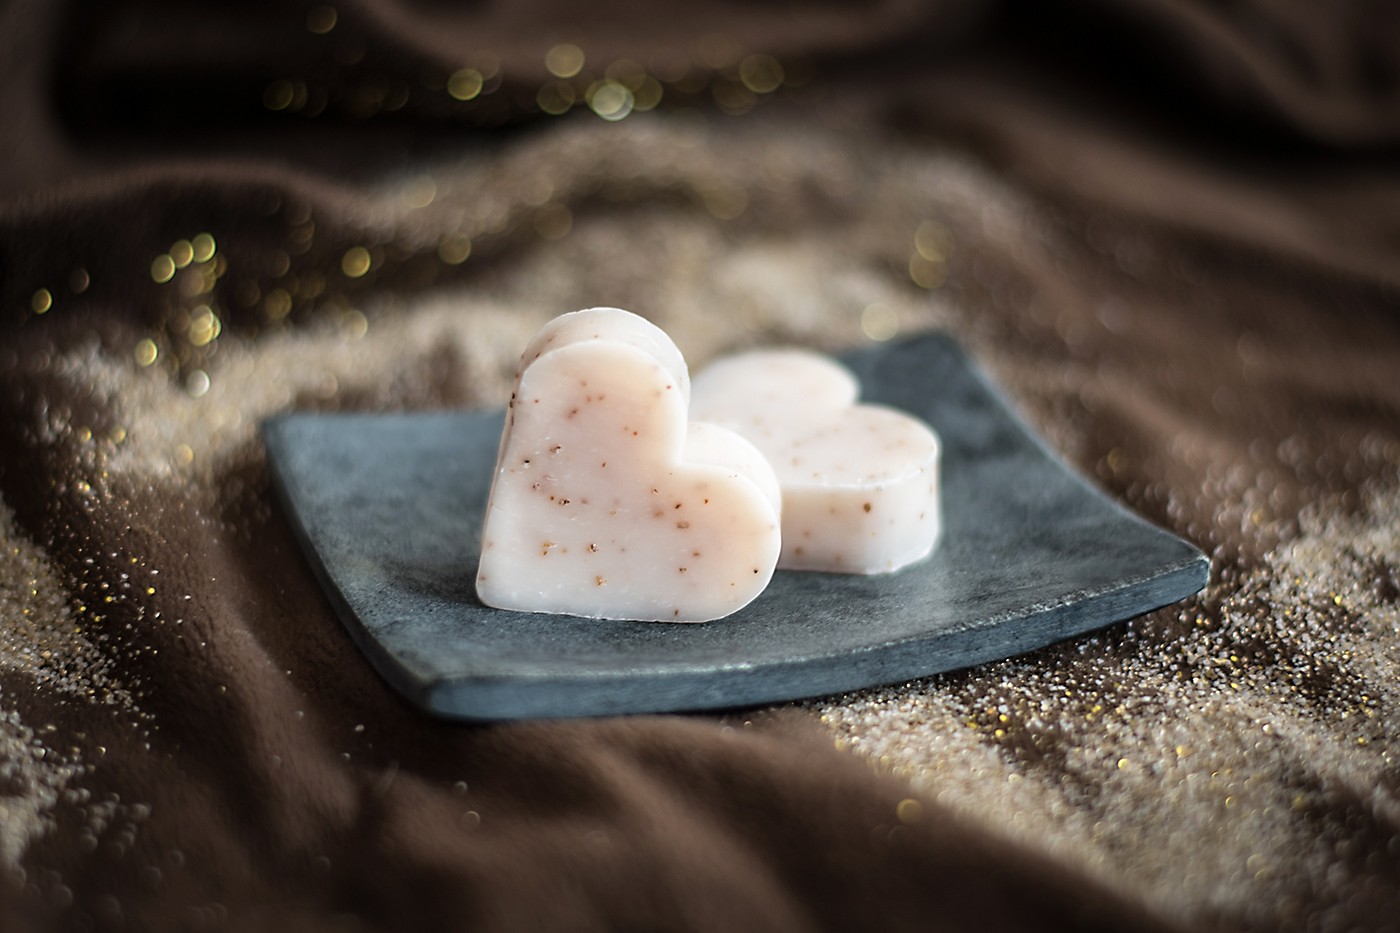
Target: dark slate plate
[(389, 508)]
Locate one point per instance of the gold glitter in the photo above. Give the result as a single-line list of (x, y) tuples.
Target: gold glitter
[(146, 352), (42, 641), (203, 246), (454, 250), (162, 269), (465, 84), (761, 74), (556, 97), (356, 262), (41, 301), (181, 253), (117, 434), (879, 322), (564, 60), (184, 455), (610, 100), (321, 19)]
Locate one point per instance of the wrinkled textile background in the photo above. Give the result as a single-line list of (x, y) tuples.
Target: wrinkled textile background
[(1170, 230)]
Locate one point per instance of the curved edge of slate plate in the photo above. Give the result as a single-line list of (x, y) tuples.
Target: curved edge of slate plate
[(388, 509)]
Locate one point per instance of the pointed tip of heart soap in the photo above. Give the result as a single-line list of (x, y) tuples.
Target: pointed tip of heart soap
[(605, 503)]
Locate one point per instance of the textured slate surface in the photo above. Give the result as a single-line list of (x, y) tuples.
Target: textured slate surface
[(388, 508)]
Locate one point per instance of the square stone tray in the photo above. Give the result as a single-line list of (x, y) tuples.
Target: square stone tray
[(388, 508)]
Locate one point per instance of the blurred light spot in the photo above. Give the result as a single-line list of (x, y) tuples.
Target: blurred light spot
[(79, 281), (396, 96), (670, 68), (933, 241), (488, 63), (454, 250), (420, 192), (556, 97), (355, 262), (927, 273), (554, 221), (197, 384), (610, 100), (465, 84), (41, 301), (146, 352), (537, 191), (184, 455), (647, 94), (181, 253), (761, 74), (203, 246), (321, 19), (909, 811), (879, 322), (278, 95), (356, 324), (162, 268), (277, 304), (279, 263), (205, 326), (725, 201), (734, 99), (626, 71), (564, 60)]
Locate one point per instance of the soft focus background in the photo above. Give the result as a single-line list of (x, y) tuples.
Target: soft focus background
[(1170, 230)]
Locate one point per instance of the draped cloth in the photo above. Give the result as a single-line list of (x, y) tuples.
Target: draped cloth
[(1170, 231)]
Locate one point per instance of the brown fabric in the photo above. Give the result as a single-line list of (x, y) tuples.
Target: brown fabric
[(1170, 230)]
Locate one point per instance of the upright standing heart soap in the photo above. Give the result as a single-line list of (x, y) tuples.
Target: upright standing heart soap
[(606, 501), (859, 482)]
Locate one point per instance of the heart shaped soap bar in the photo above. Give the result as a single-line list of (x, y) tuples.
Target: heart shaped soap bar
[(606, 502), (859, 482)]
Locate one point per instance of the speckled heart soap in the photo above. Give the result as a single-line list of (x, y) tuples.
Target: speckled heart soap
[(606, 502), (389, 509)]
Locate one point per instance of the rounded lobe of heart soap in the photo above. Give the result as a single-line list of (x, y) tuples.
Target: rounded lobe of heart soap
[(859, 481), (606, 503)]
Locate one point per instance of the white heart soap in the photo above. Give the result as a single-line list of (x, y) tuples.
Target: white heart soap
[(859, 482), (606, 502)]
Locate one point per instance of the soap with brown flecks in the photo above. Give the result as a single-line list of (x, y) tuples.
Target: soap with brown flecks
[(607, 502), (859, 482)]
